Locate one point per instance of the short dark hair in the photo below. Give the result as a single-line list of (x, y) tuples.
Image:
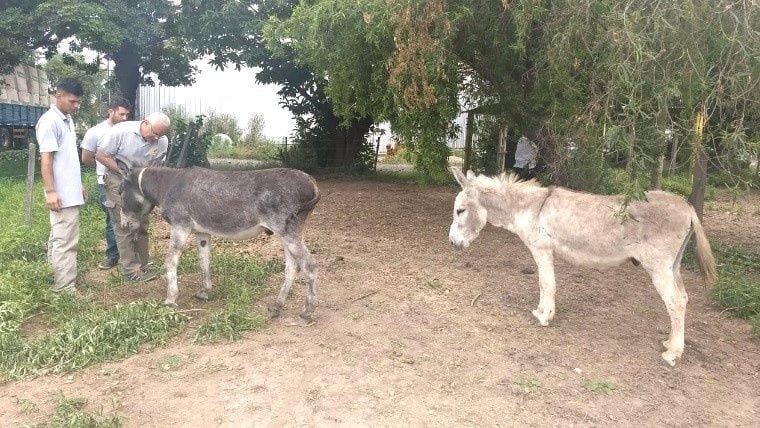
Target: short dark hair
[(117, 102), (71, 86)]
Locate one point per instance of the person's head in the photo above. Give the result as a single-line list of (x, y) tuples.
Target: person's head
[(67, 94), (154, 126), (118, 110)]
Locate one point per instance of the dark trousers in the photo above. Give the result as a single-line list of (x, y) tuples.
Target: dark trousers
[(112, 251)]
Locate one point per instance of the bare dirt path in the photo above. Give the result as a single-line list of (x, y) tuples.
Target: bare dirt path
[(410, 332)]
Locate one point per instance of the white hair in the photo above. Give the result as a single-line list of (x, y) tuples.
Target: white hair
[(157, 117)]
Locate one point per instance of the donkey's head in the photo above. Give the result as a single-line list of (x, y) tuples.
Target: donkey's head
[(134, 205), (469, 215)]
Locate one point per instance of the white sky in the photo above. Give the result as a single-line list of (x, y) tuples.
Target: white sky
[(228, 91)]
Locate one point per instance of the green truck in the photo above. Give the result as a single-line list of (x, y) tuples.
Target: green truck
[(24, 98)]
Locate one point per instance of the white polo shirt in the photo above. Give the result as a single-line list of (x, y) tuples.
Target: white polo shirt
[(90, 142), (55, 134)]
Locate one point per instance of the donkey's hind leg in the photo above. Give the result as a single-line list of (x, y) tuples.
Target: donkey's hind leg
[(308, 268), (204, 256), (291, 270), (665, 281)]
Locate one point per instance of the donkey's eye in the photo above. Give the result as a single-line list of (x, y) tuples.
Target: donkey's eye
[(460, 211)]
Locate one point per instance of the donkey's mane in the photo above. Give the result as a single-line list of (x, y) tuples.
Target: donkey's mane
[(503, 180)]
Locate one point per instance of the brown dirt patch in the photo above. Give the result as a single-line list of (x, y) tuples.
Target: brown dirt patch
[(411, 332)]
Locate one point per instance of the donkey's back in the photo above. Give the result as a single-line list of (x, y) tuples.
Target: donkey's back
[(232, 203)]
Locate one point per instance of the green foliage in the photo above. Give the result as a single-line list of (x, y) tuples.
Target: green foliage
[(199, 139), (300, 156), (92, 106), (486, 144), (69, 413), (222, 123), (599, 386), (254, 132), (680, 184), (738, 287)]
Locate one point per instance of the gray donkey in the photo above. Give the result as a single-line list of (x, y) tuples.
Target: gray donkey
[(234, 205), (587, 229)]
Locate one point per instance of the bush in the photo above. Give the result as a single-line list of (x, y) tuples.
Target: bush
[(738, 287), (199, 138)]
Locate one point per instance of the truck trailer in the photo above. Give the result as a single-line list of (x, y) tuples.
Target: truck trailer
[(24, 97)]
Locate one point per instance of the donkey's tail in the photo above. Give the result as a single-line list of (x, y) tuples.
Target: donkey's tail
[(704, 252), (309, 205)]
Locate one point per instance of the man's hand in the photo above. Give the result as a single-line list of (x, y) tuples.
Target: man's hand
[(52, 201)]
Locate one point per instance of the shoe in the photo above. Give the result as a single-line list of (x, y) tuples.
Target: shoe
[(140, 277), (108, 264)]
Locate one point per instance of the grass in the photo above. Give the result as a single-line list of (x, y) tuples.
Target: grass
[(69, 412), (42, 332), (598, 386), (262, 152), (241, 282), (528, 385), (738, 287)]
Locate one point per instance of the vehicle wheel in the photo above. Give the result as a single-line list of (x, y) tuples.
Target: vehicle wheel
[(6, 142)]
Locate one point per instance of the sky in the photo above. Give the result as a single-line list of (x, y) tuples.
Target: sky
[(228, 91)]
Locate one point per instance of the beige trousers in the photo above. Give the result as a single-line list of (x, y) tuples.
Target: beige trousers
[(62, 247), (133, 246)]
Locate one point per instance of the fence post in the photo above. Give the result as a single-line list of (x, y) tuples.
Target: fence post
[(377, 151), (183, 152), (467, 142), (30, 184)]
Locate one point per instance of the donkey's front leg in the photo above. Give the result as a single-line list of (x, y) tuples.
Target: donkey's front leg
[(204, 255), (178, 239), (545, 262)]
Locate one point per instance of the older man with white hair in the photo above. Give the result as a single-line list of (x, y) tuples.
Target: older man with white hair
[(138, 142)]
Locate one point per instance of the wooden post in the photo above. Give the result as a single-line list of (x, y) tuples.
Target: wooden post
[(699, 175), (30, 184), (501, 152), (183, 152), (467, 142), (377, 151)]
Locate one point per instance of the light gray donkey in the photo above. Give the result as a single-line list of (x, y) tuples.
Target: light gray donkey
[(591, 230), (229, 204)]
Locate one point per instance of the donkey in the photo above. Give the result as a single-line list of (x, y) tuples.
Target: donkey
[(591, 230), (233, 205)]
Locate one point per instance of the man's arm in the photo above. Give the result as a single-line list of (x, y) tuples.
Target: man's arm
[(52, 200), (88, 157), (103, 157)]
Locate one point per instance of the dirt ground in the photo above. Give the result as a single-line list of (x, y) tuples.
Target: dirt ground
[(409, 331)]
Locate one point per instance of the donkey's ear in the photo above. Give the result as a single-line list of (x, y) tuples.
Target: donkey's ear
[(470, 175), (125, 166), (459, 176)]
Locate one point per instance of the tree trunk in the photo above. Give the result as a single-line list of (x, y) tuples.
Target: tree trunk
[(656, 182), (699, 176), (348, 142), (673, 156), (127, 71)]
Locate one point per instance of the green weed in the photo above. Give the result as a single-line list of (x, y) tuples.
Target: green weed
[(69, 412), (528, 385), (599, 386)]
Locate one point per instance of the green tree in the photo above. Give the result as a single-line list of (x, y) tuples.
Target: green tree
[(141, 36), (93, 104), (222, 123)]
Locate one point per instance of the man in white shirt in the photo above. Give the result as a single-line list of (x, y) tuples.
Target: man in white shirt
[(140, 142), (62, 182), (118, 111)]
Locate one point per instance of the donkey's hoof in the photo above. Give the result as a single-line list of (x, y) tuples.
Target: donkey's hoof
[(306, 316), (670, 357), (170, 303), (201, 295), (274, 310), (542, 320)]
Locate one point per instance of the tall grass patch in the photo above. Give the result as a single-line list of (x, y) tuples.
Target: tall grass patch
[(242, 280), (738, 287)]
